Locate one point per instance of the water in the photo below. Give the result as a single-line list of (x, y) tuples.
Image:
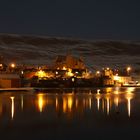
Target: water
[(110, 113)]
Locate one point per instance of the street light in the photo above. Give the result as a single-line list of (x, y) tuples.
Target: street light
[(97, 73), (128, 70), (12, 65)]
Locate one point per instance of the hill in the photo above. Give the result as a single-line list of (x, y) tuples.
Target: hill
[(42, 50)]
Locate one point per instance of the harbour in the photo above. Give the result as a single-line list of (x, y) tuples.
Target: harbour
[(48, 113), (69, 70), (66, 71)]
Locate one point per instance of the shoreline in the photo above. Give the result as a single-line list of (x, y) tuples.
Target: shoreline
[(61, 88)]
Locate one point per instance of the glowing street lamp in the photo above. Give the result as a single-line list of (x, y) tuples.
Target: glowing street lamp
[(108, 68), (97, 73), (128, 70), (22, 72), (13, 65)]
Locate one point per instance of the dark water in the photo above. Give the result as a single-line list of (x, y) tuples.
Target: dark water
[(112, 113)]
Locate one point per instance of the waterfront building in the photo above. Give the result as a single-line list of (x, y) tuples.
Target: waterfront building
[(68, 61), (10, 81)]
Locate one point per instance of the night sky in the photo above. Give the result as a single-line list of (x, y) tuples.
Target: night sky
[(90, 19)]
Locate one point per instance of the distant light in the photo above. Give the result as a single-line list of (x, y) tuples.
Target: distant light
[(72, 79), (13, 65), (64, 68), (98, 91), (97, 72), (22, 72), (108, 68), (56, 72), (69, 73), (116, 77), (128, 68), (41, 74)]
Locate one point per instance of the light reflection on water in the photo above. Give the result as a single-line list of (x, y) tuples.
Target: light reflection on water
[(12, 107), (41, 102), (108, 101)]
